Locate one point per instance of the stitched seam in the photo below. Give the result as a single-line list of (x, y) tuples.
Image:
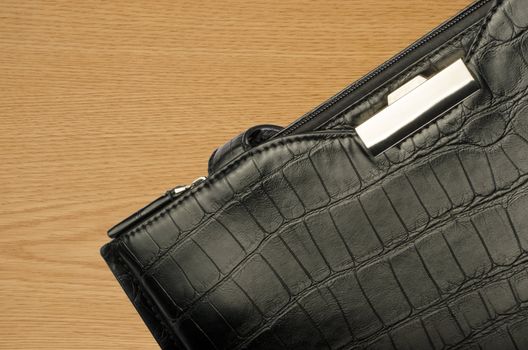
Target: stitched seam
[(223, 172), (162, 255), (481, 32)]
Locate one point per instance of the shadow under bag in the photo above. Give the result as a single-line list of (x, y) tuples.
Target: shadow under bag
[(392, 216)]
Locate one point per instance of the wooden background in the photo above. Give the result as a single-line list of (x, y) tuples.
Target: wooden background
[(106, 104)]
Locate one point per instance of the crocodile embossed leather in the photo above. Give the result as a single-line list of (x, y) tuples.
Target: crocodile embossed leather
[(302, 239)]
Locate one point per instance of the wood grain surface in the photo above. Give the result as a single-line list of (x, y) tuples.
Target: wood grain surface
[(106, 104)]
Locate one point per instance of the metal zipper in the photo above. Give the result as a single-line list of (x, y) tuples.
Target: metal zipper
[(315, 113), (151, 208)]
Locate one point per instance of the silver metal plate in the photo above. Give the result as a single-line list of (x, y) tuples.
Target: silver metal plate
[(415, 105)]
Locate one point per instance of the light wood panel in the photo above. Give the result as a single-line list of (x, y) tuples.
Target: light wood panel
[(106, 104)]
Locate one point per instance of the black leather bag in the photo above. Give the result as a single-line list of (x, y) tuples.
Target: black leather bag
[(334, 234)]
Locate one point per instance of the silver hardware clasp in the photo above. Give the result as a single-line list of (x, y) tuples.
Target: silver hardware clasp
[(416, 104)]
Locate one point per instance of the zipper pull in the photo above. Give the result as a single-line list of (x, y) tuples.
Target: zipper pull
[(176, 191), (151, 208)]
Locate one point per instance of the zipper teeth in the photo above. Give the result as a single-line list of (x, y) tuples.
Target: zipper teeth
[(384, 66)]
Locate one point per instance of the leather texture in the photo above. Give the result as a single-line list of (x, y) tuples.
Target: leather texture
[(306, 242)]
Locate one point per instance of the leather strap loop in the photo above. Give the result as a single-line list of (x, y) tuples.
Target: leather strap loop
[(242, 143)]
